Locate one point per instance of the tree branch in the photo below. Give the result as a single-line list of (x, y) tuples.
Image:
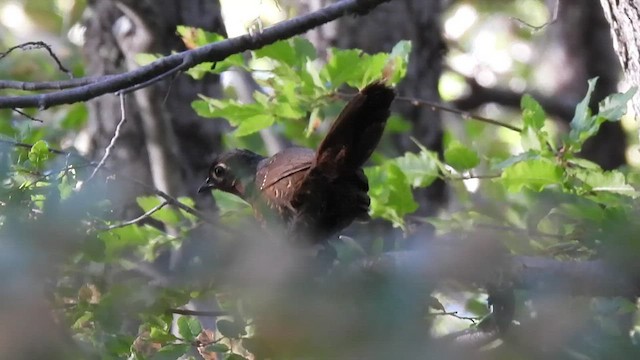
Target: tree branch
[(209, 53), (39, 45), (139, 218), (481, 95)]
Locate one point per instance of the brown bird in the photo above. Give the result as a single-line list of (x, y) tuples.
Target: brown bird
[(312, 194)]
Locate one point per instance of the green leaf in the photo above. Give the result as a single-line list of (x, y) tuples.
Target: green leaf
[(118, 240), (343, 66), (194, 38), (435, 304), (420, 169), (390, 191), (143, 59), (304, 49), (39, 153), (532, 139), (583, 124), (614, 106), (171, 352), (254, 124), (460, 157), (283, 51), (248, 118), (607, 181), (533, 115), (516, 159), (534, 174), (189, 327), (160, 335), (399, 61), (230, 329), (374, 66)]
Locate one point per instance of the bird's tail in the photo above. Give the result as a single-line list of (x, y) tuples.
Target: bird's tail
[(356, 132)]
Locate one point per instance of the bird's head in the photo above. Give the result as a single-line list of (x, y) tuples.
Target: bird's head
[(232, 172)]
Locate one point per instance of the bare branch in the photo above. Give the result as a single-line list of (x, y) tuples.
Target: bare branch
[(465, 115), (29, 146), (455, 315), (209, 53), (27, 115), (38, 45), (139, 218), (534, 28)]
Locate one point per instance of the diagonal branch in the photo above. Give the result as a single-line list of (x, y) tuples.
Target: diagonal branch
[(209, 53)]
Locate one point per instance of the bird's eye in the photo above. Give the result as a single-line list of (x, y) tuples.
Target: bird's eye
[(219, 171)]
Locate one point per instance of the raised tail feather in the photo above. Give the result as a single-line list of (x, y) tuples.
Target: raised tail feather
[(356, 132)]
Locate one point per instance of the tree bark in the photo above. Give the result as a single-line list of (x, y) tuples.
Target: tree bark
[(624, 18)]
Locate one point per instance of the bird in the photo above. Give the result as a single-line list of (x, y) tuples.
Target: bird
[(311, 194)]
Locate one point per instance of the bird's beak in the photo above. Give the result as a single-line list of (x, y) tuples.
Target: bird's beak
[(207, 185)]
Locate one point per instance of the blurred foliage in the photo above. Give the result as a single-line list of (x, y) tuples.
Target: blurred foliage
[(530, 184)]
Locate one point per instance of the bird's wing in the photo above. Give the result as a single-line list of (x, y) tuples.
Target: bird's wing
[(278, 176)]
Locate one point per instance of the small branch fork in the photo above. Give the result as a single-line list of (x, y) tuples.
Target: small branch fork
[(82, 89)]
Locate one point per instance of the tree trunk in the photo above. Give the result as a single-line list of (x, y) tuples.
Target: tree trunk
[(163, 142), (624, 18)]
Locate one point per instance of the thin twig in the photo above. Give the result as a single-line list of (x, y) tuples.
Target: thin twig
[(554, 18), (175, 71), (111, 145), (138, 219), (455, 315), (29, 146), (464, 114), (38, 45), (435, 105), (26, 115)]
